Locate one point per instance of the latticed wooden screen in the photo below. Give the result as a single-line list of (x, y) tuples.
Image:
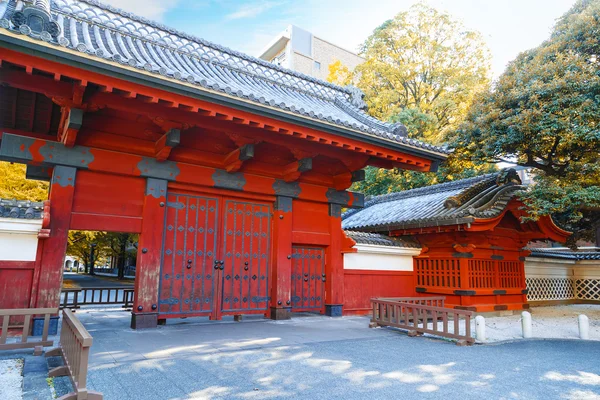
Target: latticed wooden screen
[(550, 289), (441, 273), (510, 273), (481, 274), (587, 289)]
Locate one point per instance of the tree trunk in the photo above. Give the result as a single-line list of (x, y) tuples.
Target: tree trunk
[(122, 255)]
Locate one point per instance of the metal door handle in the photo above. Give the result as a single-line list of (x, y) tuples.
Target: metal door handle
[(189, 262)]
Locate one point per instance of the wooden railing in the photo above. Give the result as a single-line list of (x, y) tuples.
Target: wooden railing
[(421, 318), (434, 301), (75, 298), (74, 348), (27, 313)]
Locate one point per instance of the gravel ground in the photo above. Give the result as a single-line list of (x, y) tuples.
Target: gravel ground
[(552, 322), (11, 379)]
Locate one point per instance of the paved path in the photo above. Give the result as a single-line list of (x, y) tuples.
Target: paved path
[(74, 280), (325, 358)]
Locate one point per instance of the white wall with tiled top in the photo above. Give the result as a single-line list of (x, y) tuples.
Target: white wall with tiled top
[(19, 239)]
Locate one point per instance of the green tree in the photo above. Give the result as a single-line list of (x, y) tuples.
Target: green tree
[(423, 68), (13, 184), (544, 113)]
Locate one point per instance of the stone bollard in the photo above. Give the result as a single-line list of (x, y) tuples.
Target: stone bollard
[(480, 328), (584, 327), (526, 324)]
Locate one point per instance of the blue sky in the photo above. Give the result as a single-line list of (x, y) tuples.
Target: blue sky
[(508, 26)]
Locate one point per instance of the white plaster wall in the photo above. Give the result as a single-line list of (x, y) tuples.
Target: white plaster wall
[(536, 267), (19, 239), (380, 258)]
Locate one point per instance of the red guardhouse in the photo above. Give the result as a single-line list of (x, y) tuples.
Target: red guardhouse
[(233, 170), (471, 234)]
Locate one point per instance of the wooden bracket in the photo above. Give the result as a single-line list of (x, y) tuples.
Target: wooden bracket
[(164, 145), (358, 176), (342, 181), (292, 171), (70, 123), (234, 160)]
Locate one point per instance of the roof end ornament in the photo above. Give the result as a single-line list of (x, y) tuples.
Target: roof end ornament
[(356, 97), (35, 19)]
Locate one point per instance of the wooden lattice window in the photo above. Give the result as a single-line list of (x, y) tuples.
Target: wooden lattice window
[(510, 274), (481, 274), (438, 272)]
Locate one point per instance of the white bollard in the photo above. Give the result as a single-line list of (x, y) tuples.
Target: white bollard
[(526, 324), (584, 327), (480, 328)]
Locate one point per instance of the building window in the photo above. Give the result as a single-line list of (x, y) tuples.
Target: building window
[(317, 66)]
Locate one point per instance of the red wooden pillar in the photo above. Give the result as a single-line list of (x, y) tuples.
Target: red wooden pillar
[(281, 290), (62, 189), (334, 267), (145, 302)]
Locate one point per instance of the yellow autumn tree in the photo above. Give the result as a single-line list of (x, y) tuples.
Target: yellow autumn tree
[(13, 184), (423, 68), (339, 74)]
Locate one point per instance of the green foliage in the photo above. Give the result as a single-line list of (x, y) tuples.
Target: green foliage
[(423, 68), (382, 181), (13, 184), (544, 113)]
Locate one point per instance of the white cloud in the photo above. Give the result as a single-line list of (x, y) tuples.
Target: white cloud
[(152, 9), (252, 10)]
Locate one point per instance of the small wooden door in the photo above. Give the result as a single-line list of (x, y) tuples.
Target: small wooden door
[(308, 278), (215, 256)]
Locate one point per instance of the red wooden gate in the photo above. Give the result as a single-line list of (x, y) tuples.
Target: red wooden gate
[(308, 277), (215, 257)]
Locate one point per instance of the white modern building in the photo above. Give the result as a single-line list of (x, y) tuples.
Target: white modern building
[(301, 51)]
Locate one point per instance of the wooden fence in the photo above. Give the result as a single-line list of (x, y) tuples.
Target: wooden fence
[(75, 298), (418, 317), (74, 348), (27, 313)]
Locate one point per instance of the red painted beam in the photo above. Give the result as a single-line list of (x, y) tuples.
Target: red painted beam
[(42, 152)]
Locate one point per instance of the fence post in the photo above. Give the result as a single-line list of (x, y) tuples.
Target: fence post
[(526, 324), (584, 327), (480, 328)]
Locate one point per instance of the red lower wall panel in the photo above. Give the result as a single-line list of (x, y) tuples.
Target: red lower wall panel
[(15, 283), (361, 285)]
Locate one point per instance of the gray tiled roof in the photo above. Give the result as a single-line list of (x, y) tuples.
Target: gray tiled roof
[(108, 33), (451, 203), (21, 209), (565, 254), (382, 240)]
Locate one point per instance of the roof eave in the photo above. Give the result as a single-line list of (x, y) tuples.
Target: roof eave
[(420, 224), (54, 54)]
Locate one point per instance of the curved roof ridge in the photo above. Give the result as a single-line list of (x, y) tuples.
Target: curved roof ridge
[(440, 187), (204, 42)]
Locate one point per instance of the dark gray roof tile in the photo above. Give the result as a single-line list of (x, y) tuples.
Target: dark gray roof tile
[(382, 240), (21, 209), (449, 203)]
